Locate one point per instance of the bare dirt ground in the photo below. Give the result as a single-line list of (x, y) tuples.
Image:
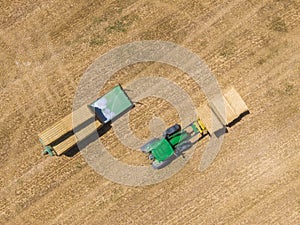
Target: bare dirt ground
[(45, 47)]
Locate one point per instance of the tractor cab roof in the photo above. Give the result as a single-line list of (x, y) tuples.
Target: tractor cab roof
[(162, 149)]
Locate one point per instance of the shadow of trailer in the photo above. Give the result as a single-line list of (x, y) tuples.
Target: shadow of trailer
[(81, 124)]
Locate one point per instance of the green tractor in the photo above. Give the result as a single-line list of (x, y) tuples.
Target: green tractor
[(162, 151)]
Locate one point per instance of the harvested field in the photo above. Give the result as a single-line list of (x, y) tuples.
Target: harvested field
[(46, 46)]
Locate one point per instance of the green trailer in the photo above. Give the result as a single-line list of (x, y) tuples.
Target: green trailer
[(60, 137)]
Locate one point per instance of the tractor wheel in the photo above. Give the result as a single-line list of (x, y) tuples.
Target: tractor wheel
[(144, 148), (160, 165), (172, 130), (183, 147)]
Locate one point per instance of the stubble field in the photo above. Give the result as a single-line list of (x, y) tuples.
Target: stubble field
[(46, 46)]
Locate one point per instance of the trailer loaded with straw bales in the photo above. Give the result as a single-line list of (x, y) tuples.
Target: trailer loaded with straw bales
[(60, 137)]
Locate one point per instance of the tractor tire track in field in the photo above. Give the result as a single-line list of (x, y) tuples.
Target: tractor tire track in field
[(253, 165), (247, 45)]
